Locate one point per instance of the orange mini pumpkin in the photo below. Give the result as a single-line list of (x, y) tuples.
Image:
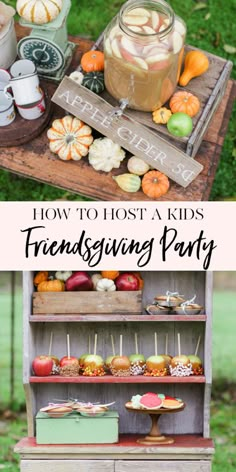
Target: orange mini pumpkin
[(92, 61), (140, 279), (155, 184), (185, 102), (110, 274), (51, 286), (41, 276)]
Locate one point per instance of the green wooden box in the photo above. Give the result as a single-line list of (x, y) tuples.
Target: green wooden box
[(77, 429)]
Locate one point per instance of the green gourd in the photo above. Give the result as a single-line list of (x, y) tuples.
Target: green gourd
[(94, 81), (128, 182)]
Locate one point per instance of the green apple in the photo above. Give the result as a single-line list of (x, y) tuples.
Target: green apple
[(93, 361), (180, 124), (137, 358), (155, 362), (109, 360), (195, 361)]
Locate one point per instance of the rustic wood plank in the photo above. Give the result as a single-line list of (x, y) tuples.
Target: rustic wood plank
[(114, 317), (83, 179), (67, 465), (87, 302), (110, 379), (188, 446), (163, 466)]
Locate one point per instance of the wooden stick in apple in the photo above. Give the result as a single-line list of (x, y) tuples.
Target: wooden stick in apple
[(110, 358), (138, 361), (180, 365), (120, 365), (95, 344), (56, 362), (69, 365), (166, 356), (93, 363), (156, 365), (195, 361)]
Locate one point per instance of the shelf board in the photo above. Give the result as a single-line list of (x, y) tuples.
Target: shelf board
[(106, 379), (192, 446), (116, 318)]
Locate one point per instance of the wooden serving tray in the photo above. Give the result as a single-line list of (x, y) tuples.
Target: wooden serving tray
[(22, 131)]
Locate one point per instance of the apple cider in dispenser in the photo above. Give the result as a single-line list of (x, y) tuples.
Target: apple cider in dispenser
[(143, 48)]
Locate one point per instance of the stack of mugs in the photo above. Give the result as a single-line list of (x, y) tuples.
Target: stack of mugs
[(21, 86)]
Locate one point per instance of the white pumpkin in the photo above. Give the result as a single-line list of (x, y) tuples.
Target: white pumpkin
[(105, 155), (39, 11), (105, 285), (137, 166)]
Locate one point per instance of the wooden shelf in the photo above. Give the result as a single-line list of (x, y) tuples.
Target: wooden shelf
[(109, 379), (89, 318), (187, 444)]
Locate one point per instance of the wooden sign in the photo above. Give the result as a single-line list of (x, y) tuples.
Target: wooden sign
[(132, 136)]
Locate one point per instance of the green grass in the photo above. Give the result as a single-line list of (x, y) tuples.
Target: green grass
[(210, 28)]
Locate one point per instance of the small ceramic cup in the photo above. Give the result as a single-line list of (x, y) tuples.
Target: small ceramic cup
[(33, 112), (22, 67), (7, 111), (4, 78)]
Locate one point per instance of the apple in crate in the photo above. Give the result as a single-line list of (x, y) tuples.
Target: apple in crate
[(79, 281), (42, 366), (127, 282)]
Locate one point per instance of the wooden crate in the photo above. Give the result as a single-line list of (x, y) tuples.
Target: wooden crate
[(87, 302), (209, 88)]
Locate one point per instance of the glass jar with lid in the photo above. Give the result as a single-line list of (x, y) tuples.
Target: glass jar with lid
[(143, 47)]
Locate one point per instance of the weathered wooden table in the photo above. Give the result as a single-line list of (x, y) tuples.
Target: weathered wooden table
[(35, 161)]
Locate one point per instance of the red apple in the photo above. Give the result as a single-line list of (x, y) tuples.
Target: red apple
[(42, 366), (79, 281), (69, 361), (127, 282)]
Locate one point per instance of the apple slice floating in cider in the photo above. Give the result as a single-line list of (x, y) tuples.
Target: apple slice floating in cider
[(177, 42), (141, 63), (115, 49), (135, 20), (128, 45), (155, 20), (179, 27), (148, 30), (157, 58)]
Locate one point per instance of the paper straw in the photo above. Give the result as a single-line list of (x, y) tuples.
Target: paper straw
[(179, 347), (197, 346), (89, 344), (136, 342), (95, 344), (50, 345), (113, 345), (68, 346)]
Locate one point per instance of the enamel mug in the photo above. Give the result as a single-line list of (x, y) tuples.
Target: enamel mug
[(33, 112), (22, 67), (25, 89), (4, 78), (8, 45), (7, 111)]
